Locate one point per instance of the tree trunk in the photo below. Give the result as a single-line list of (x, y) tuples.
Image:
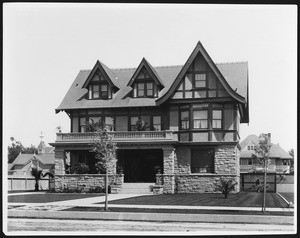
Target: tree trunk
[(36, 185), (106, 190), (265, 189)]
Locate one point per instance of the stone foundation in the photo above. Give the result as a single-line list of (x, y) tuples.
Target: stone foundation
[(85, 181)]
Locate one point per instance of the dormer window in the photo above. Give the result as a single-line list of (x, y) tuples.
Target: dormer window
[(144, 89), (99, 88)]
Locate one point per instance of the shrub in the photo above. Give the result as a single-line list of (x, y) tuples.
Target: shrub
[(226, 186)]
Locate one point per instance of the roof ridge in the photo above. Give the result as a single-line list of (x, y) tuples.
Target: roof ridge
[(164, 66), (234, 62)]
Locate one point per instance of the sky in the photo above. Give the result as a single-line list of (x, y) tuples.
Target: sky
[(45, 46)]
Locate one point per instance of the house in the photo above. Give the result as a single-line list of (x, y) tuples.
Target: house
[(192, 111), (280, 160), (44, 160)]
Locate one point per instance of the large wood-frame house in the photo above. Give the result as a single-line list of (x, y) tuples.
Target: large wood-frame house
[(193, 112)]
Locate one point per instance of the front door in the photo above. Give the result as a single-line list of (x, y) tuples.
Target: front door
[(139, 165)]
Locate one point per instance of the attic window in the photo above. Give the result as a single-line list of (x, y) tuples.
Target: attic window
[(200, 80), (99, 88)]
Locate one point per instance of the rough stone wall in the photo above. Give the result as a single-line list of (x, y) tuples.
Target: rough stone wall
[(85, 181), (168, 177), (196, 183), (182, 160), (226, 164), (226, 159), (59, 161)]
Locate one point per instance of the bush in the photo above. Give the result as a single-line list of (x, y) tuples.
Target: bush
[(226, 186)]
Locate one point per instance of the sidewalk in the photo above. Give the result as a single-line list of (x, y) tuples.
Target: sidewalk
[(55, 210)]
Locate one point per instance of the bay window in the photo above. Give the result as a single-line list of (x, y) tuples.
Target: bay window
[(185, 120), (200, 119), (217, 119)]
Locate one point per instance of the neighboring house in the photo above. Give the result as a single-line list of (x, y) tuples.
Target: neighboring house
[(193, 112), (280, 160), (23, 164)]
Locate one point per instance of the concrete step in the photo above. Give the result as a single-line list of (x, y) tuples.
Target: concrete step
[(136, 188)]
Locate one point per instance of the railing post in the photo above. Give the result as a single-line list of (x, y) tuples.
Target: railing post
[(25, 183), (11, 183)]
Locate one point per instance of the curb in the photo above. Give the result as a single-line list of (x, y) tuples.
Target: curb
[(170, 217)]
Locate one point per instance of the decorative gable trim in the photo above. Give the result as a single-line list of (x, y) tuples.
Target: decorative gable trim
[(200, 49), (102, 68), (151, 71)]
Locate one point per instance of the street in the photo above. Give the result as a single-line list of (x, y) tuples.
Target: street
[(51, 225)]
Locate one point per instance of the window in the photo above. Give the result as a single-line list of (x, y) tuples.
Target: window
[(141, 89), (202, 161), (200, 80), (133, 121), (149, 89), (144, 89), (217, 119), (96, 91), (200, 119), (104, 91), (249, 148), (250, 162), (157, 123), (185, 120), (109, 123)]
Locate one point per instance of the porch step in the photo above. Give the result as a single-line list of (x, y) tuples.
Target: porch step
[(136, 188)]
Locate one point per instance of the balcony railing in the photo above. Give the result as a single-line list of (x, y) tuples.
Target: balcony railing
[(271, 168), (119, 136)]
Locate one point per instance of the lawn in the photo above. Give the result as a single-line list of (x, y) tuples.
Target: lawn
[(288, 196), (49, 197), (242, 199)]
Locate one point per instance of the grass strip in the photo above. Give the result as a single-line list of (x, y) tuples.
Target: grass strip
[(177, 211)]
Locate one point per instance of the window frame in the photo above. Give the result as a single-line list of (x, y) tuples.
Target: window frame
[(187, 121), (207, 118), (213, 119), (195, 73), (145, 88), (210, 169)]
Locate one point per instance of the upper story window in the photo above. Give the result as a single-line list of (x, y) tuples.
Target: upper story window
[(99, 88), (184, 120), (200, 80), (144, 85), (217, 119), (157, 123), (200, 119)]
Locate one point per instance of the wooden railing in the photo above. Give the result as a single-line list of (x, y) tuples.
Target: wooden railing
[(118, 136), (271, 168)]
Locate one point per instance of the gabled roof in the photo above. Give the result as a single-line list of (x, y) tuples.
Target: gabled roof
[(150, 69), (275, 150), (106, 72), (233, 75), (24, 159), (200, 49)]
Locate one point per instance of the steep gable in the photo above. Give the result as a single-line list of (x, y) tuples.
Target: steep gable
[(145, 81), (204, 64)]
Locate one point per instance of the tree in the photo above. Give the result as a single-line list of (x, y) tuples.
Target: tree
[(38, 174), (104, 148), (262, 156), (16, 148)]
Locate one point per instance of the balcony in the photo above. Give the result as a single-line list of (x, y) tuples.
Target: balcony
[(119, 137), (271, 168)]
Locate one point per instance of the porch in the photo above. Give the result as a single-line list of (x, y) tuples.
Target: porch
[(118, 136)]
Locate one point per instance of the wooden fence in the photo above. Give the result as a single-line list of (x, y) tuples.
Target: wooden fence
[(25, 184)]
